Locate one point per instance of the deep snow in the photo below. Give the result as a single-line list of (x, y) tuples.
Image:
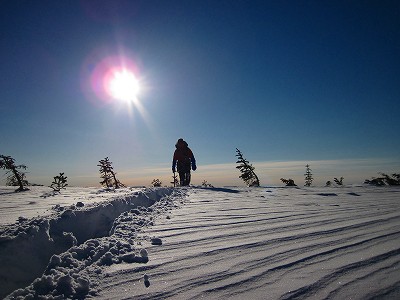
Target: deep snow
[(216, 243), (73, 239)]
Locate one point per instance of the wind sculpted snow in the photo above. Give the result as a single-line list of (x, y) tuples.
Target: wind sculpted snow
[(271, 243), (237, 243)]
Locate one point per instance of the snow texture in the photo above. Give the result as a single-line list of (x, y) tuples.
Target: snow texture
[(212, 243), (52, 255)]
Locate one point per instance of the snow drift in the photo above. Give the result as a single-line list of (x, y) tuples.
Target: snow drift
[(72, 239)]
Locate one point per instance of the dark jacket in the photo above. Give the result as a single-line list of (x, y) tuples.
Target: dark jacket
[(183, 157)]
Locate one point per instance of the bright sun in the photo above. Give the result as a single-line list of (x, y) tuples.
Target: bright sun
[(123, 85)]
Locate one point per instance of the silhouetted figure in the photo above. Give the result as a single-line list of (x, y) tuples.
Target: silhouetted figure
[(183, 160)]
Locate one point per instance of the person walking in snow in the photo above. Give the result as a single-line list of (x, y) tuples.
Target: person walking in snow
[(183, 160)]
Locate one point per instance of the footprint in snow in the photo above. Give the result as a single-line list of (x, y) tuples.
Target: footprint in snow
[(156, 241), (146, 280)]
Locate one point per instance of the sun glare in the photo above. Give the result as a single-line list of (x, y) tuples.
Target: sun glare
[(117, 82), (123, 85)]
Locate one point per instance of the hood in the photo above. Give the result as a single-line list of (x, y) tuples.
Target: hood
[(181, 143)]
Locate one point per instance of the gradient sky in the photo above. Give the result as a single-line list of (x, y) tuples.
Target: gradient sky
[(286, 82)]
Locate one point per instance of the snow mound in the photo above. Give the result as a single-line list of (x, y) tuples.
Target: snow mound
[(62, 249)]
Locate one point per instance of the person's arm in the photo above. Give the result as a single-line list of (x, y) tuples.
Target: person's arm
[(173, 165), (193, 160), (174, 160)]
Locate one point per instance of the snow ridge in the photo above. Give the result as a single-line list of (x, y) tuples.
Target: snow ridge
[(76, 240)]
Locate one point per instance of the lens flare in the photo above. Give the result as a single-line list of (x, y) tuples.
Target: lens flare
[(112, 78), (115, 82), (122, 85)]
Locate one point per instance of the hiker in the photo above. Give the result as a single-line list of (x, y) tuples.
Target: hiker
[(184, 161)]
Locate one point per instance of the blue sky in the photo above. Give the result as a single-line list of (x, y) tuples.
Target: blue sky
[(287, 82)]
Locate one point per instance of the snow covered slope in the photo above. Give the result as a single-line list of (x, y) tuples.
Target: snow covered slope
[(216, 243)]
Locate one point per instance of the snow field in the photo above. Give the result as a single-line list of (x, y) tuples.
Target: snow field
[(271, 243), (222, 243)]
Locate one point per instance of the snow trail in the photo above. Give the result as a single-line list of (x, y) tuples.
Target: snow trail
[(33, 244)]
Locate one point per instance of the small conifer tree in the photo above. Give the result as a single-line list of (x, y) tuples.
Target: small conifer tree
[(338, 181), (328, 183), (247, 170), (175, 180), (108, 175), (308, 176), (59, 182), (14, 176)]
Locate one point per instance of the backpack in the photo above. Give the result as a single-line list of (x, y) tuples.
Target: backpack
[(184, 163)]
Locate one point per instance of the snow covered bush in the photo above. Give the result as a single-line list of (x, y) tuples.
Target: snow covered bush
[(247, 170), (156, 183), (206, 184), (393, 179), (14, 176), (375, 181), (288, 182)]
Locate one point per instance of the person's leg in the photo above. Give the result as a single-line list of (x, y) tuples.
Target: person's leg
[(182, 178), (187, 178)]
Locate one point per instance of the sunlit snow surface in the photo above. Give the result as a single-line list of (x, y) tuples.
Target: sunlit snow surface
[(215, 243), (39, 201)]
